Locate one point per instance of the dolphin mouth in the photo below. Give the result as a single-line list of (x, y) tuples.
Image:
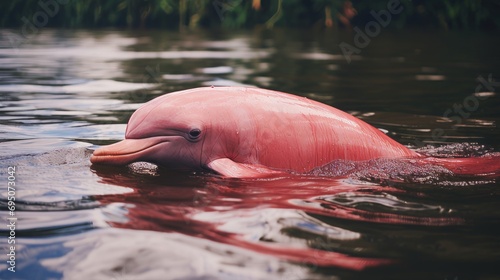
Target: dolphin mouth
[(126, 151)]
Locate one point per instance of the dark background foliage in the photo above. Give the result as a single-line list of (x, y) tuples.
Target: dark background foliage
[(178, 14)]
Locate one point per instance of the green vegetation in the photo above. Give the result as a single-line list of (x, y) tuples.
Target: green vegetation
[(446, 14)]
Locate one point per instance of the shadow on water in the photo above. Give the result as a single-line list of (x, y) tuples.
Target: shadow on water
[(64, 93)]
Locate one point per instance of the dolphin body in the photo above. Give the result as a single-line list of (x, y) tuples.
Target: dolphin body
[(245, 132)]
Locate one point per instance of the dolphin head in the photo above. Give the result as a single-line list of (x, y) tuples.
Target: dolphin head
[(170, 131)]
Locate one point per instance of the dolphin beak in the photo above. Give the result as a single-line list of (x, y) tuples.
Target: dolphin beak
[(126, 151)]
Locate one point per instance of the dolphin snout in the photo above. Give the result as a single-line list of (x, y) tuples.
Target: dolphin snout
[(125, 151)]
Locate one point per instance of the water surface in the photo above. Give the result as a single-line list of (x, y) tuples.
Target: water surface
[(64, 93)]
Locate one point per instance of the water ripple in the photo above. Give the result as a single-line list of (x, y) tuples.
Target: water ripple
[(382, 203), (90, 86)]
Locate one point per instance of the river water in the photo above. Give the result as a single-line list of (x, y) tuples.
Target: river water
[(64, 93)]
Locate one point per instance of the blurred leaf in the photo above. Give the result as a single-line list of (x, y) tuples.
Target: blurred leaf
[(166, 6)]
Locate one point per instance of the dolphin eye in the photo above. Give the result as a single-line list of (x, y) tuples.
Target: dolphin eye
[(194, 133)]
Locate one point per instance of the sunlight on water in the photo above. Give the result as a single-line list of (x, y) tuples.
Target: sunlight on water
[(179, 256), (92, 86)]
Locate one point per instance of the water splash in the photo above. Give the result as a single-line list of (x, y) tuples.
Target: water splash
[(458, 164), (454, 150)]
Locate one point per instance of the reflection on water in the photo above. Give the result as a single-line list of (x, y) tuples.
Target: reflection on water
[(65, 93)]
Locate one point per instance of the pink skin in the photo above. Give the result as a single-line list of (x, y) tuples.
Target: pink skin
[(245, 132)]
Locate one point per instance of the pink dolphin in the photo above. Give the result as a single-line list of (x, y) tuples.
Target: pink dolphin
[(245, 132)]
